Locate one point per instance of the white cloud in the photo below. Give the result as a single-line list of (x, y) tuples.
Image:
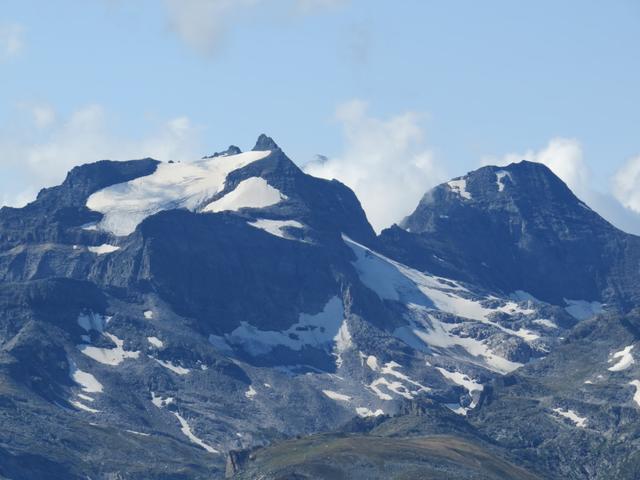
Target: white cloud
[(42, 156), (43, 115), (384, 161), (11, 40), (202, 24), (311, 5), (563, 156), (626, 184)]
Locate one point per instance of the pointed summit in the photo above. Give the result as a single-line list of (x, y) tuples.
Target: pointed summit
[(265, 143)]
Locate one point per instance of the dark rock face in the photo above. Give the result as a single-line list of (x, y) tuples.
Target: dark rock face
[(519, 228), (50, 216)]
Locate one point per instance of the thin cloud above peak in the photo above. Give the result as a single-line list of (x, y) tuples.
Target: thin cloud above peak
[(11, 40), (202, 24)]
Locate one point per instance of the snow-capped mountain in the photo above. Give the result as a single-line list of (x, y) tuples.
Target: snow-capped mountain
[(159, 318)]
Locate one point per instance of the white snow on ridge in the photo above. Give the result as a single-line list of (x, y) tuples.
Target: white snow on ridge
[(317, 329), (582, 309), (103, 249), (274, 227), (109, 356), (579, 421), (253, 192), (186, 430), (626, 359), (459, 186), (172, 185)]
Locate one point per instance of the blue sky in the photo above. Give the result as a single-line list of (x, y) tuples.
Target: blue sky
[(429, 88)]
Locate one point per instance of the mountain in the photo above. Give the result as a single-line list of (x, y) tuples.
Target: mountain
[(180, 320), (519, 227)]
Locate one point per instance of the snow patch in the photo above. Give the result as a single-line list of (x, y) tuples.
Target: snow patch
[(579, 421), (174, 368), (459, 186), (462, 380), (343, 342), (172, 185), (155, 341), (250, 393), (636, 395), (337, 396), (545, 323), (275, 227), (626, 359), (82, 406), (161, 402), (186, 430), (253, 192), (88, 382), (500, 175), (103, 249), (364, 412), (109, 356), (456, 408), (311, 329), (372, 363)]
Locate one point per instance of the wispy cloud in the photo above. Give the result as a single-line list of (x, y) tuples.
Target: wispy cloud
[(626, 184), (11, 40), (202, 24), (385, 161), (41, 156)]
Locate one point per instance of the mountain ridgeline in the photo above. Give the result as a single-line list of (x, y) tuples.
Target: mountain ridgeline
[(237, 317)]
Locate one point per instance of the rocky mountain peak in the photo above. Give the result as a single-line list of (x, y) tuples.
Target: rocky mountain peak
[(265, 142)]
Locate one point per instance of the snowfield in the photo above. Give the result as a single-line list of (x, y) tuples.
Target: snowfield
[(625, 359), (253, 192), (579, 421), (171, 186), (109, 356), (275, 227)]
